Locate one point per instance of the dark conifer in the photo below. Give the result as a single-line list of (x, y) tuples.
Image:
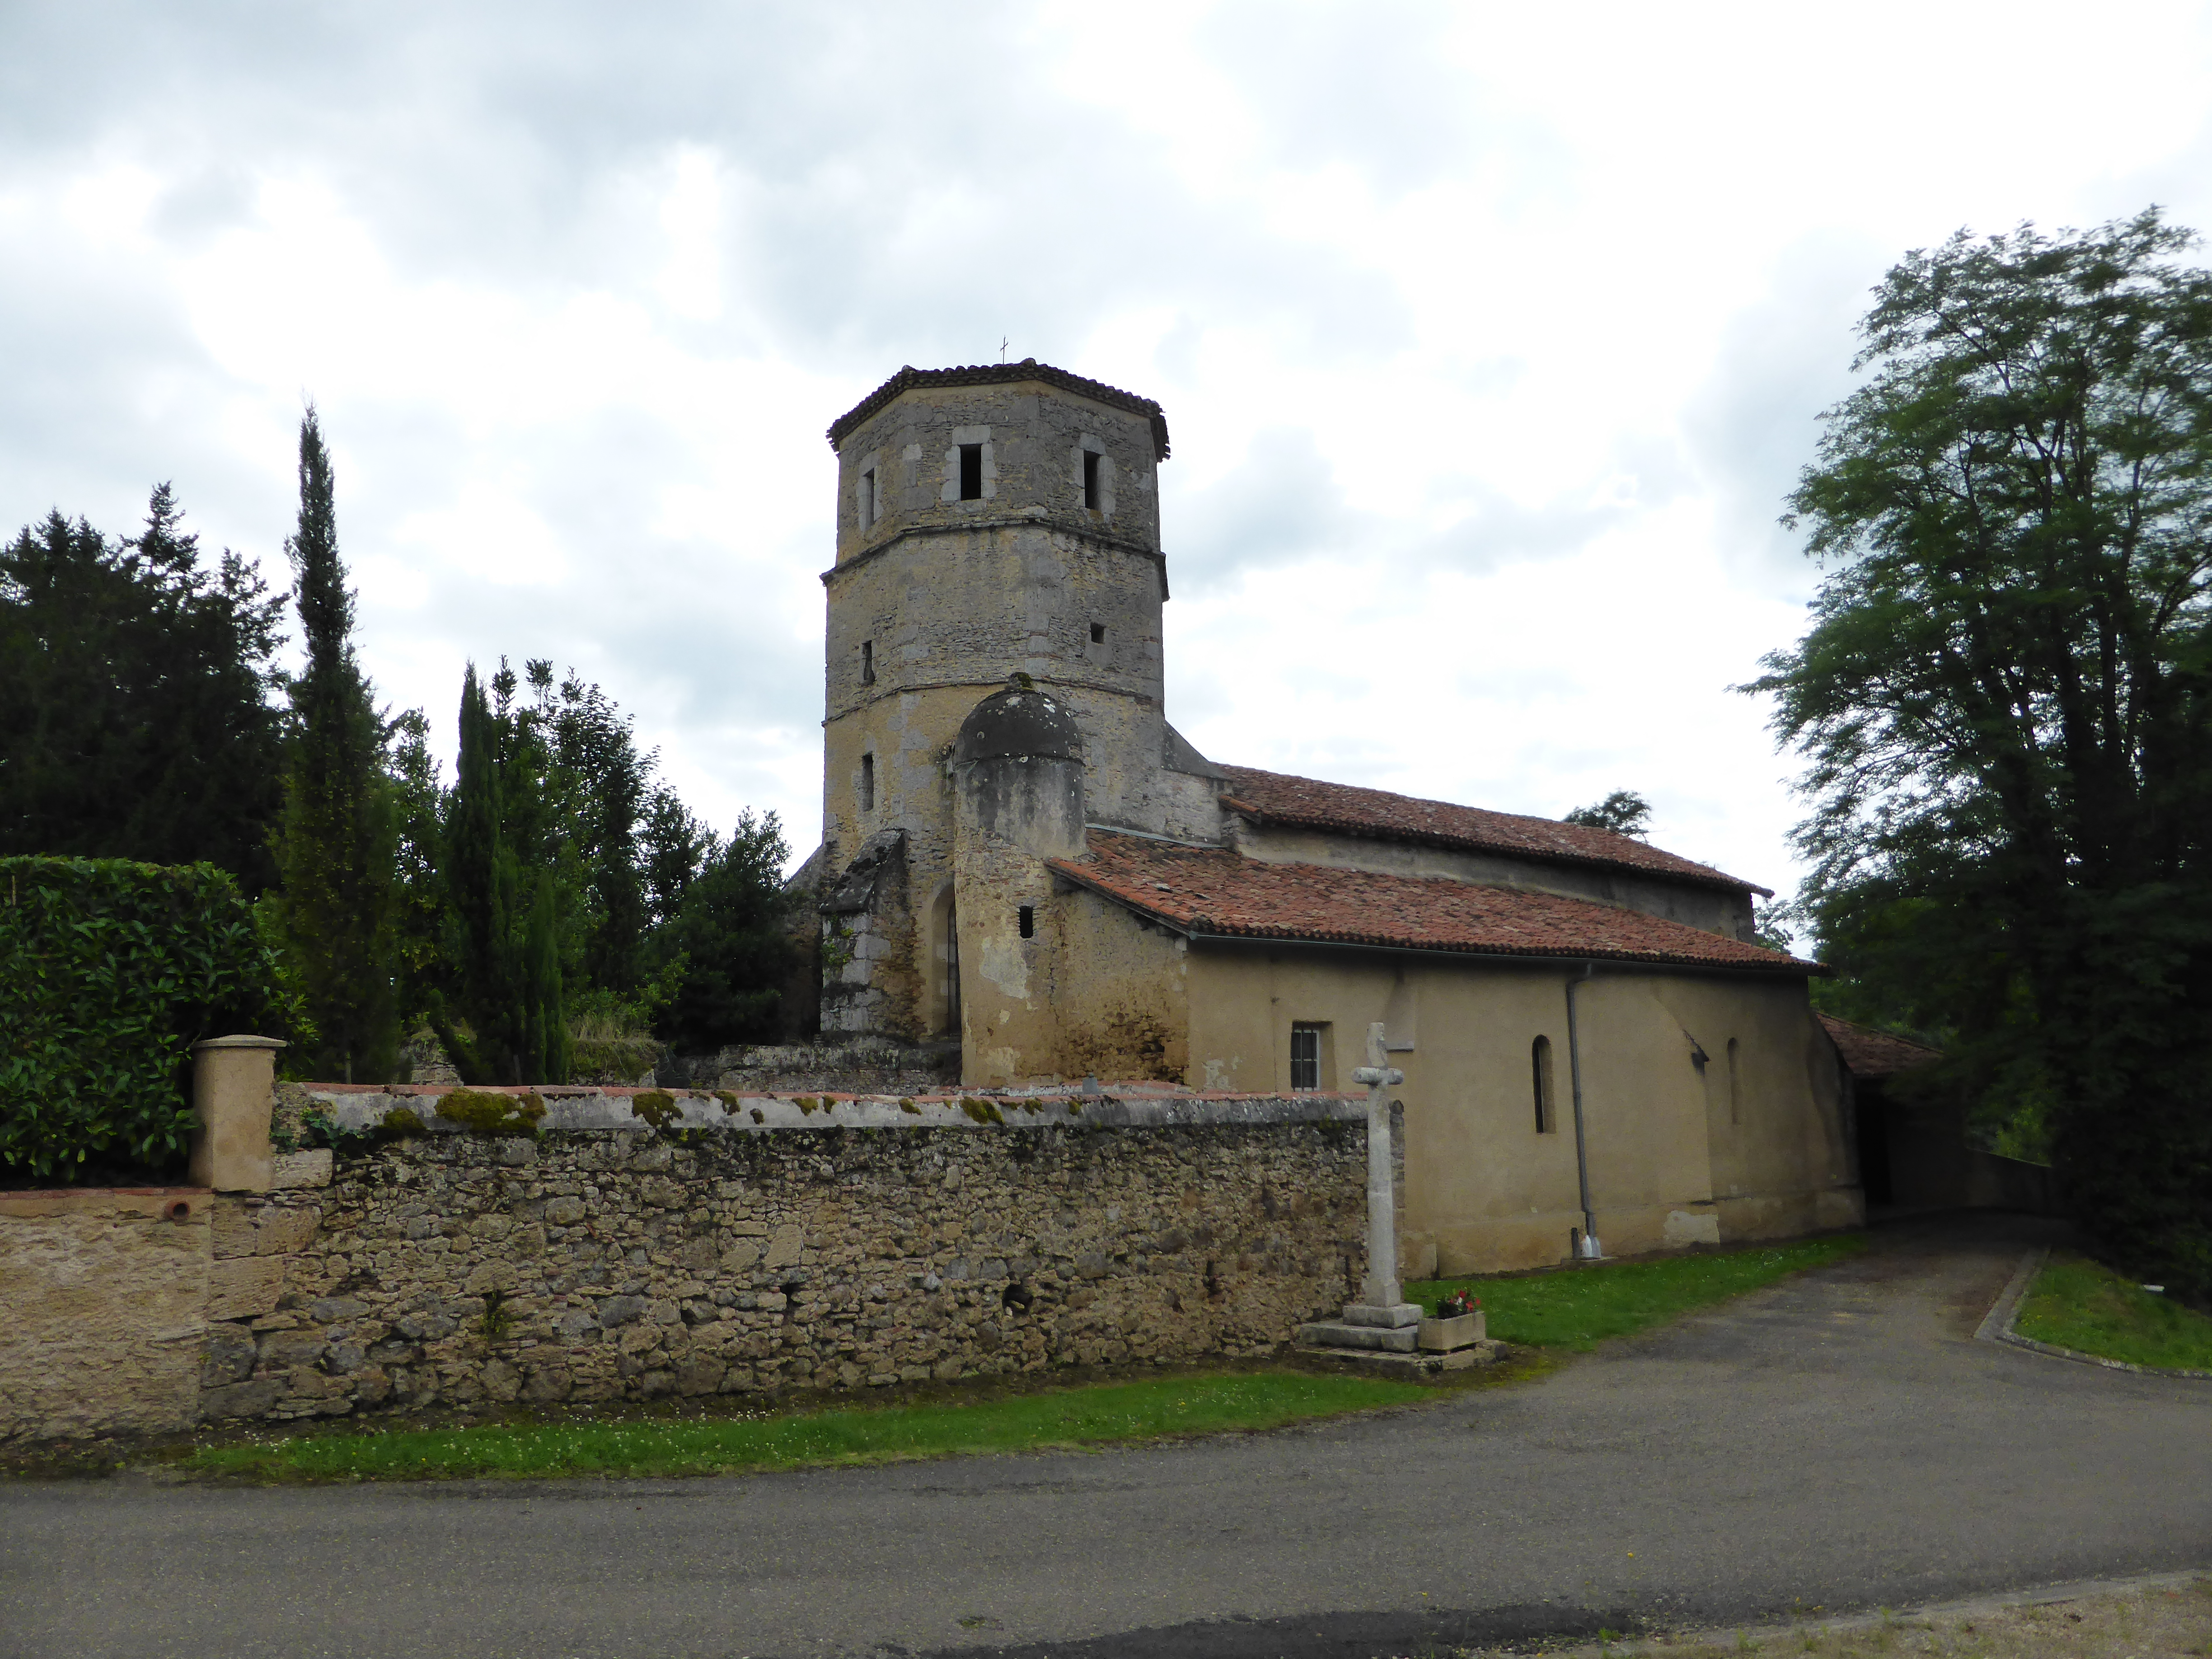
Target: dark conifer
[(135, 712), (336, 846)]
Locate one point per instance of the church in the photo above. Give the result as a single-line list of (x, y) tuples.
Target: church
[(1023, 858)]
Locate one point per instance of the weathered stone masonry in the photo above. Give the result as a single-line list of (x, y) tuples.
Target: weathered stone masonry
[(755, 1245)]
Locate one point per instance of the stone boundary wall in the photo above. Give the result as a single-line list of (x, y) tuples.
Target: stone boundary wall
[(740, 1244)]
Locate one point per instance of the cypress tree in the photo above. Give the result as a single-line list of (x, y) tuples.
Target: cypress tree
[(335, 844), (548, 1045), (509, 960)]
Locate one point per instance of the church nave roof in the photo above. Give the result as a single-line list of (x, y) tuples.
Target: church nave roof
[(1349, 808), (1202, 891)]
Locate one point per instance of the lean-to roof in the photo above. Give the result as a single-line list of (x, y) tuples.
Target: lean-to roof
[(1873, 1054)]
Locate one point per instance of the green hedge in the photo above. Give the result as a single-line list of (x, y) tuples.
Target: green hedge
[(109, 972)]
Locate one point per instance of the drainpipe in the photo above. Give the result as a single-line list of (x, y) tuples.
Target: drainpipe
[(1591, 1251)]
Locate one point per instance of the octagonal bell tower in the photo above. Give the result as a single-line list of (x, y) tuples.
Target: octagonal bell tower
[(996, 525)]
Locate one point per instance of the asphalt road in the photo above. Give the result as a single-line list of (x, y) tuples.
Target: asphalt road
[(1836, 1442)]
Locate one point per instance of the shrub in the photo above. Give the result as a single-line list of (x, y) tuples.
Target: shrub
[(109, 972)]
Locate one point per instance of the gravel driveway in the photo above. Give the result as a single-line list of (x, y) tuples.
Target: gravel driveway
[(1835, 1442)]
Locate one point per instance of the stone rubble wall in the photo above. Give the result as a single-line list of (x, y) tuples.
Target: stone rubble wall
[(755, 1245)]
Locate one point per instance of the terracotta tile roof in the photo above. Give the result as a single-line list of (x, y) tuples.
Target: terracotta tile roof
[(1208, 891), (1003, 375), (1277, 798), (1875, 1054)]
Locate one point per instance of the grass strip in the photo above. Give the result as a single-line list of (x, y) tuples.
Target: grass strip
[(2076, 1304), (1069, 1417), (1577, 1308)]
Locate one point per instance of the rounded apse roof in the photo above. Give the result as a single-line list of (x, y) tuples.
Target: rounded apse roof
[(1018, 722)]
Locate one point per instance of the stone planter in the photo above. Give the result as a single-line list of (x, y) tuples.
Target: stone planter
[(1443, 1335)]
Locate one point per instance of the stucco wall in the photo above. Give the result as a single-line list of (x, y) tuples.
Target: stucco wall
[(1095, 993), (1486, 1189), (102, 1310)]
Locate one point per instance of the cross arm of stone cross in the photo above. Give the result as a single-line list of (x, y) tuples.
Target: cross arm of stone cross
[(1388, 1076)]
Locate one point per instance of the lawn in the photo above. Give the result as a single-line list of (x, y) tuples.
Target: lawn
[(1569, 1309), (1577, 1308), (1067, 1416), (2076, 1304)]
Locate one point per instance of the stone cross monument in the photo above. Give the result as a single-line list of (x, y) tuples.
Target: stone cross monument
[(1380, 1318), (1379, 1295)]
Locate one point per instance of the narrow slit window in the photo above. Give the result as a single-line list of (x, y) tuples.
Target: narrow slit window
[(1090, 459), (971, 472), (867, 662), (867, 498), (1026, 916), (952, 970), (1736, 1090), (1305, 1058), (1540, 1067), (867, 783), (1098, 633)]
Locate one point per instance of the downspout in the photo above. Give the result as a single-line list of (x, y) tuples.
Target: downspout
[(1591, 1251)]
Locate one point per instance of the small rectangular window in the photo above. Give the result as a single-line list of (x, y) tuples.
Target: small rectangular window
[(867, 498), (1736, 1087), (1098, 633), (1090, 458), (1305, 1058), (971, 472), (1026, 915), (867, 662), (867, 783)]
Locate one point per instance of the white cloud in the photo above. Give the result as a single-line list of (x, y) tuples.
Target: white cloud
[(1490, 337)]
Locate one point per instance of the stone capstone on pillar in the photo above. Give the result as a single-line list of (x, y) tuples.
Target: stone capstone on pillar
[(233, 1090)]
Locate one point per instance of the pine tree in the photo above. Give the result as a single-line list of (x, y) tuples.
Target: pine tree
[(336, 846)]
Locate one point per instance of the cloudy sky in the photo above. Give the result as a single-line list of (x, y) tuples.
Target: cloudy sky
[(1490, 337)]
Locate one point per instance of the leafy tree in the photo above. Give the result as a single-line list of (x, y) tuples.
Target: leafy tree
[(336, 845), (1624, 811), (2005, 693), (730, 925), (135, 712)]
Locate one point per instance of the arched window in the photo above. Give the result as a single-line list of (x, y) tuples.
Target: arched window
[(1736, 1087), (1539, 1069)]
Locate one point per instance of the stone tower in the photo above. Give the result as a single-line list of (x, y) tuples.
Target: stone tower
[(998, 530)]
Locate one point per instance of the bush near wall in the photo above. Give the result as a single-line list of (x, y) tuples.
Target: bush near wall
[(109, 972)]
